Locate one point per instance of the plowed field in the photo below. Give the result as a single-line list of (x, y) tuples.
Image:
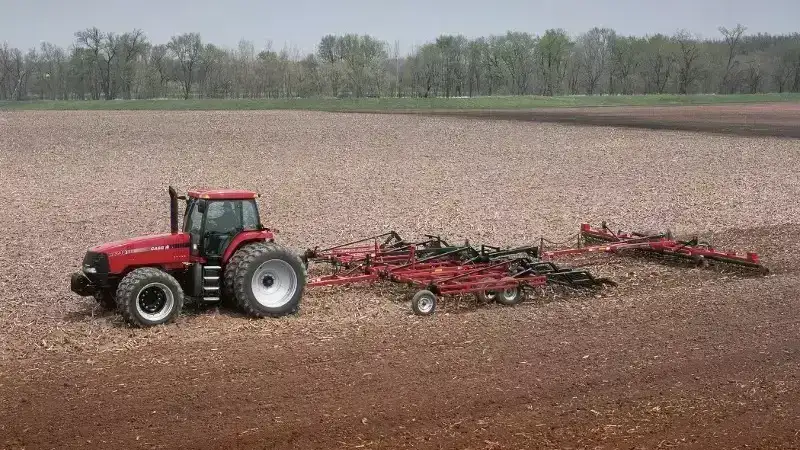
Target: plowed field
[(674, 357)]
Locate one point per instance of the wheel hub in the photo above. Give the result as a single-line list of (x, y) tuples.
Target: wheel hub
[(425, 304), (155, 301), (274, 283), (152, 299)]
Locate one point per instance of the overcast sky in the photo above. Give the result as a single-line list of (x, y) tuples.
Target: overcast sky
[(25, 23)]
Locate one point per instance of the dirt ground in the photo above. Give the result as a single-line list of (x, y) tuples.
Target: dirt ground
[(674, 357), (779, 120)]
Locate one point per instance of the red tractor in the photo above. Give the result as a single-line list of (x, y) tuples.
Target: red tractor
[(222, 252)]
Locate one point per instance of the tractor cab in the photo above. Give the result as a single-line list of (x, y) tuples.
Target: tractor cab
[(213, 218)]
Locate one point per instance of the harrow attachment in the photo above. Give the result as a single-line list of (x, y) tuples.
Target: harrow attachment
[(436, 268), (700, 253)]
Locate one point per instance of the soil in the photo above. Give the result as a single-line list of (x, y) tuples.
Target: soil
[(674, 357), (773, 119)]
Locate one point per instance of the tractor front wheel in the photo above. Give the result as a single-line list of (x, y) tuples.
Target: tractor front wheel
[(267, 280), (148, 297)]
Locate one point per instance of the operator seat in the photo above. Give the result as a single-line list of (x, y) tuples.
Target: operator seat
[(220, 230)]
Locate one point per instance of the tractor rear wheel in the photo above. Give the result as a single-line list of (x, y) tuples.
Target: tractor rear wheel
[(148, 297), (267, 279)]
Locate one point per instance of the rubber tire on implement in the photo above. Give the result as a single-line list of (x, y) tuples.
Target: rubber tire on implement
[(511, 300), (130, 287), (242, 267), (418, 298), (488, 295)]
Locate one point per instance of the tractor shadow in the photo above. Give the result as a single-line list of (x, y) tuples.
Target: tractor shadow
[(194, 309), (91, 311)]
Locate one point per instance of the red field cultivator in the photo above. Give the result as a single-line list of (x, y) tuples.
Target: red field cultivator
[(435, 268)]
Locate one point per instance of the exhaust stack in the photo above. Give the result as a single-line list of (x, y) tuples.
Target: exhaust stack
[(173, 210)]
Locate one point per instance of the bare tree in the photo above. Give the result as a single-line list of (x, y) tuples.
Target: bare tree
[(733, 39), (158, 62), (518, 53), (658, 65), (132, 45), (625, 59), (106, 65), (186, 48), (92, 39), (688, 61), (361, 55), (596, 46), (754, 74), (5, 69), (553, 53)]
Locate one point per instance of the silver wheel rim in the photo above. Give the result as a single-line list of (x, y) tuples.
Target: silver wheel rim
[(425, 304), (155, 301), (274, 283), (510, 294)]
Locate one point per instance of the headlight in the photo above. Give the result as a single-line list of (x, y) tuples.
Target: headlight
[(95, 263)]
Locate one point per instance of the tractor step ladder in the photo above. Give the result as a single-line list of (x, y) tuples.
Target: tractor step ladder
[(212, 277)]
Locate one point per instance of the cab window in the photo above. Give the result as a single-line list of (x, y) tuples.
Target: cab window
[(250, 219)]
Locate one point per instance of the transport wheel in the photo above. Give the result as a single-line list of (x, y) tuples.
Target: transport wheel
[(510, 296), (423, 303), (701, 262), (487, 296), (148, 296), (267, 279)]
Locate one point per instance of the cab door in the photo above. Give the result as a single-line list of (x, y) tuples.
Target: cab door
[(222, 222)]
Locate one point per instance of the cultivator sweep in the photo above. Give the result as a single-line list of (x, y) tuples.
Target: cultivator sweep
[(436, 268)]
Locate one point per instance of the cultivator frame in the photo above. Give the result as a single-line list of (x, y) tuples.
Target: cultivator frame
[(436, 268), (661, 244)]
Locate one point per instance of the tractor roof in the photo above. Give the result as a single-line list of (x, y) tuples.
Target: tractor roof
[(223, 194)]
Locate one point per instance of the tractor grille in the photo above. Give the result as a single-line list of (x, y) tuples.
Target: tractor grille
[(97, 260)]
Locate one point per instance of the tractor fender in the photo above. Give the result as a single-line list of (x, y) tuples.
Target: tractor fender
[(244, 238)]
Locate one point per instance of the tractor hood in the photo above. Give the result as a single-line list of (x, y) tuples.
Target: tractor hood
[(139, 244)]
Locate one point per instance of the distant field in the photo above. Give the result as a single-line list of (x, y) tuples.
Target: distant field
[(387, 104)]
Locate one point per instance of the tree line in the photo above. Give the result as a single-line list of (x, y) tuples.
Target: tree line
[(108, 65)]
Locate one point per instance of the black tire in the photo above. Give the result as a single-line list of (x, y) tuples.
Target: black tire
[(487, 296), (423, 303), (510, 296), (153, 284), (249, 261)]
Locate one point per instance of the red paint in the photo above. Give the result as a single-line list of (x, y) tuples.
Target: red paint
[(657, 244), (243, 238), (169, 251), (223, 194), (444, 274), (160, 250)]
